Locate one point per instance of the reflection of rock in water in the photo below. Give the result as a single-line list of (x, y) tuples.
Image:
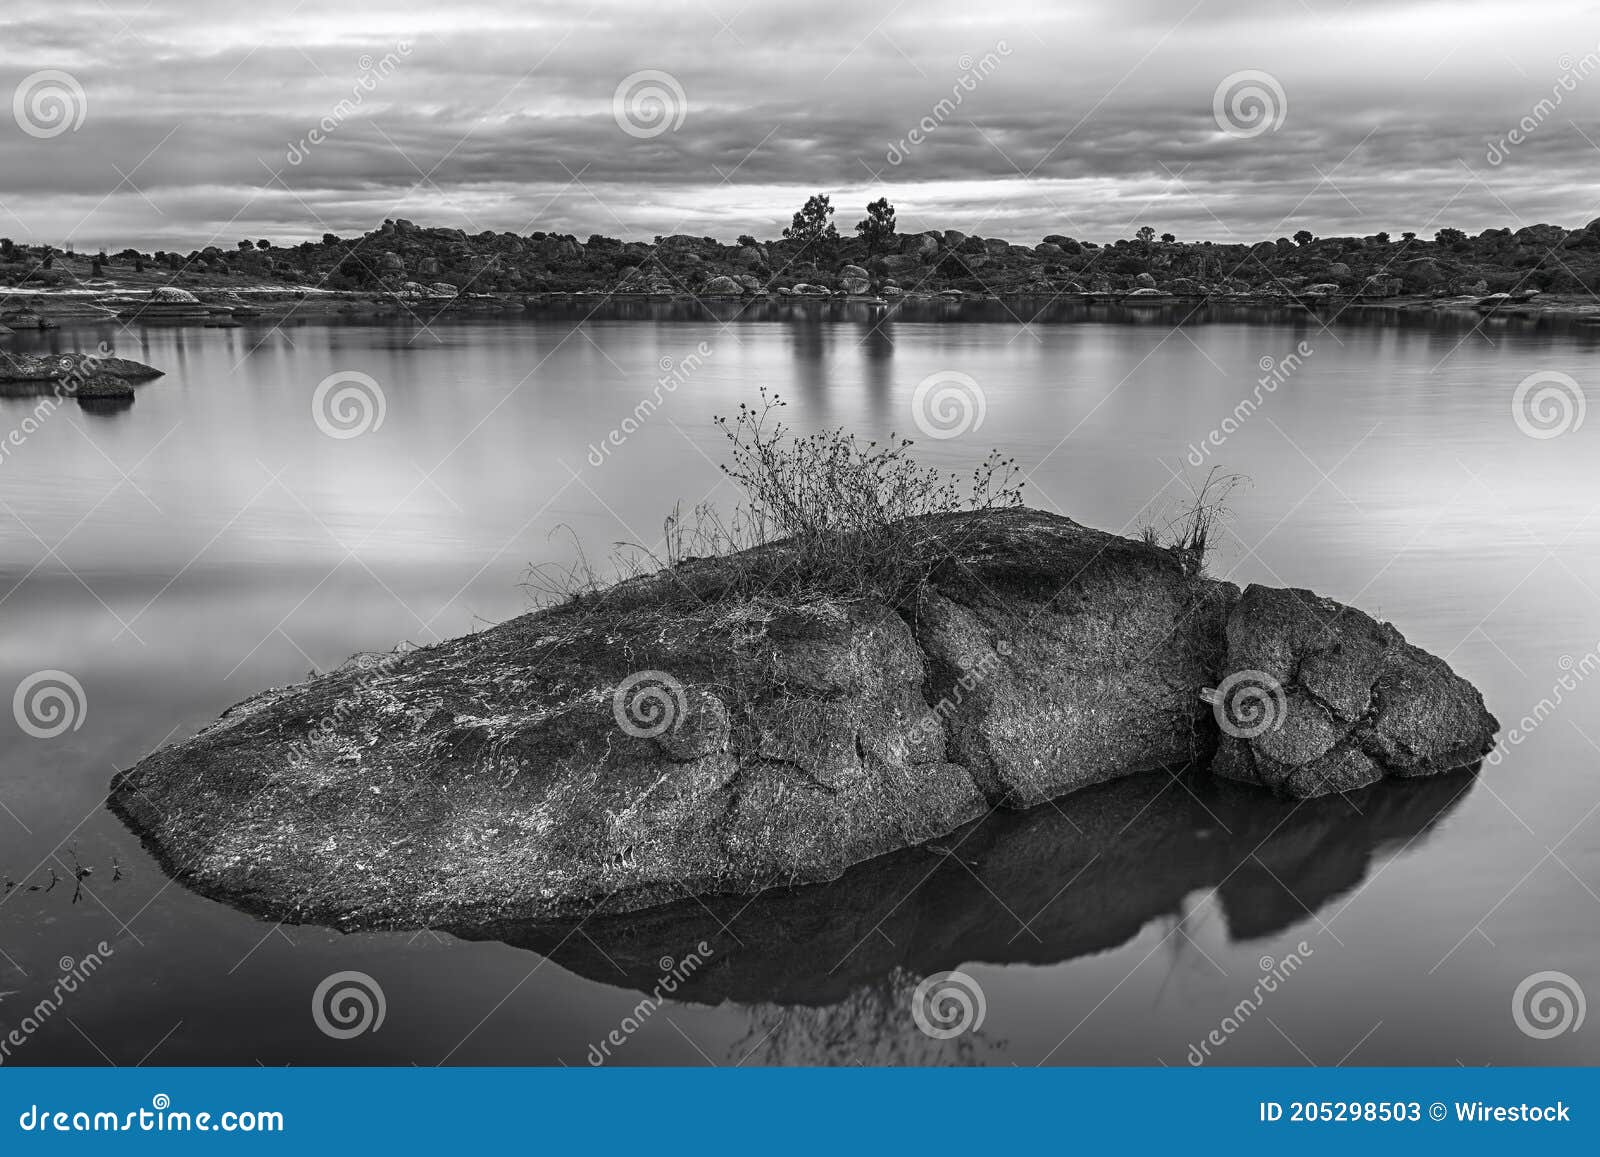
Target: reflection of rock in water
[(871, 1026), (1082, 875)]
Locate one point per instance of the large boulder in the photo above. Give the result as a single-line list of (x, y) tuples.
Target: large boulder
[(1422, 273), (723, 287), (674, 736), (1317, 697), (1065, 244), (1548, 236)]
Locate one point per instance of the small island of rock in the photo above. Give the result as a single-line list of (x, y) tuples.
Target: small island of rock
[(667, 738)]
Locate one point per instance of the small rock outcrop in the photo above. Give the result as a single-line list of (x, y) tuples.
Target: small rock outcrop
[(1322, 698), (667, 738), (79, 375)]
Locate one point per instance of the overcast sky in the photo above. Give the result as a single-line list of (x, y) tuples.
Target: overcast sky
[(1084, 118)]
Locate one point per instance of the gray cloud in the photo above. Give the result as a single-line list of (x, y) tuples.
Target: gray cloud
[(498, 115)]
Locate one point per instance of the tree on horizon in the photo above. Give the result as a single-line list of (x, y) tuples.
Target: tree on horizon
[(812, 229), (877, 227)]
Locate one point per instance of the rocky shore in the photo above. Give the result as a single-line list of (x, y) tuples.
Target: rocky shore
[(666, 739), (404, 268)]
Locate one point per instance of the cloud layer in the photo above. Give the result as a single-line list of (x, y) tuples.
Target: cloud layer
[(284, 119)]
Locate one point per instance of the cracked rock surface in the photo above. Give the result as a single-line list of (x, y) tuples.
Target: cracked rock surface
[(1354, 700), (665, 739)]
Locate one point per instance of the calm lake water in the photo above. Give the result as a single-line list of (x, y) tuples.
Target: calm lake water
[(211, 540)]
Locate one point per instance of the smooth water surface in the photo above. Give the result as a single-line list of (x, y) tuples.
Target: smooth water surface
[(210, 540)]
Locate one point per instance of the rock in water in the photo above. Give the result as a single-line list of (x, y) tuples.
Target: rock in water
[(104, 386), (670, 738), (1318, 697), (70, 371)]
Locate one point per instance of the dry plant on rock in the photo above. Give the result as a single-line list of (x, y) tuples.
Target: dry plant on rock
[(1191, 532), (823, 513)]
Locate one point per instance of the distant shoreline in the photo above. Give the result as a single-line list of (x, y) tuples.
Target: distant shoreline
[(403, 267), (30, 310)]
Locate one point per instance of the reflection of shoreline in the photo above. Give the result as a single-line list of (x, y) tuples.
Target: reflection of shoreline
[(1573, 315), (1061, 881)]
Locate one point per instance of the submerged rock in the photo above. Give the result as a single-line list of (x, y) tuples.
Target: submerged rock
[(103, 386), (671, 738)]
